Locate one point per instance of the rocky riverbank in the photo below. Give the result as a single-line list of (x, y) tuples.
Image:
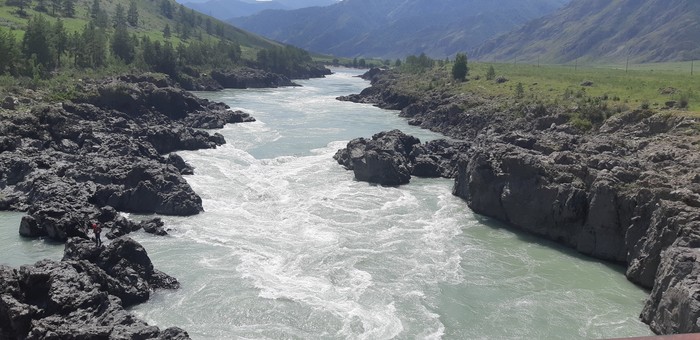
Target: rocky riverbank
[(68, 164), (628, 191), (83, 296), (245, 77), (108, 150)]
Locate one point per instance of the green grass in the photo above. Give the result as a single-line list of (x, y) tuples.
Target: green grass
[(612, 87), (151, 24), (556, 88)]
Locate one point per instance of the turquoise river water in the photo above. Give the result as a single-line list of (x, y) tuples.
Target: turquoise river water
[(292, 247)]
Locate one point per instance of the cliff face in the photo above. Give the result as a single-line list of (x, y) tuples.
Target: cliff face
[(628, 192)]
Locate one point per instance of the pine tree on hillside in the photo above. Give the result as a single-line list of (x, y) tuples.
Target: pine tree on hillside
[(56, 6), (41, 6), (59, 40), (36, 42), (95, 9), (132, 16), (460, 68), (69, 8), (166, 8), (119, 18), (8, 51), (166, 31)]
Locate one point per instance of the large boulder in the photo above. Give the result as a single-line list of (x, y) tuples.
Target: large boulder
[(384, 159), (391, 158), (83, 296)]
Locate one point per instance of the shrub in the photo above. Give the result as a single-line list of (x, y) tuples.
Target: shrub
[(684, 100), (519, 90), (491, 73), (581, 123)]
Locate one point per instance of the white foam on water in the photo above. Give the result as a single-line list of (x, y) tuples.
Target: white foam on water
[(291, 246)]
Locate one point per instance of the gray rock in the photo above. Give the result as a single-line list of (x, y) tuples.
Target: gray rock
[(384, 159), (83, 296), (10, 103)]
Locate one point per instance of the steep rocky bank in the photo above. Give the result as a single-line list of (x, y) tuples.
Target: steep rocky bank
[(628, 191), (68, 164), (83, 296), (245, 77), (108, 150)]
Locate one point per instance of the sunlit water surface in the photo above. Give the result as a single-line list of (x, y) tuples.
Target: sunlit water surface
[(291, 246)]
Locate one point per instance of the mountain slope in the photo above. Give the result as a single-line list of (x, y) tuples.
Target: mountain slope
[(395, 28), (151, 21), (226, 9), (605, 30)]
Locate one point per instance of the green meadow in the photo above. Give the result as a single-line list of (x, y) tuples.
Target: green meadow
[(662, 86)]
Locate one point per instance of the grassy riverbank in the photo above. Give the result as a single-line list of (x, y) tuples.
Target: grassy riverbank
[(608, 88)]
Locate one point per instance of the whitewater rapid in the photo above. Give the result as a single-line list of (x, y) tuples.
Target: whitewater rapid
[(290, 246)]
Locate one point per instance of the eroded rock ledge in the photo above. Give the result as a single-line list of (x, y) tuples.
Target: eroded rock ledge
[(84, 295), (628, 192), (106, 151)]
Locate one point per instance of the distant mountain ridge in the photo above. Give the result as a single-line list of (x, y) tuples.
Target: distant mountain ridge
[(227, 9), (396, 28), (605, 30)]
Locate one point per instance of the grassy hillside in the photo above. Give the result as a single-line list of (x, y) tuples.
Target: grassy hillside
[(603, 31), (588, 94), (151, 23)]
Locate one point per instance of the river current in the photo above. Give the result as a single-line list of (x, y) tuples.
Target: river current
[(290, 246)]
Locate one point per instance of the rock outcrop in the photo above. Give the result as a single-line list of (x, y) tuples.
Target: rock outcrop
[(390, 158), (110, 147), (84, 296), (627, 192), (243, 78)]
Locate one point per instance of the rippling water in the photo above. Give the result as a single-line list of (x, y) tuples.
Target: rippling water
[(291, 246)]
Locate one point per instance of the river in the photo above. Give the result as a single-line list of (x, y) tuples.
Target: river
[(290, 246)]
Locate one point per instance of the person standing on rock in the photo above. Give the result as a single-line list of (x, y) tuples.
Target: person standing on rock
[(97, 230)]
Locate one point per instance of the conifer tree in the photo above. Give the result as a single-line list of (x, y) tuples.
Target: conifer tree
[(460, 68), (491, 73), (95, 9), (132, 16), (69, 8), (59, 40), (119, 18), (8, 51), (41, 6), (56, 6), (166, 31), (36, 43), (121, 43)]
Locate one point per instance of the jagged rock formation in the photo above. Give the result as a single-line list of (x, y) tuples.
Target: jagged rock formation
[(628, 192), (84, 295), (390, 158), (65, 163)]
